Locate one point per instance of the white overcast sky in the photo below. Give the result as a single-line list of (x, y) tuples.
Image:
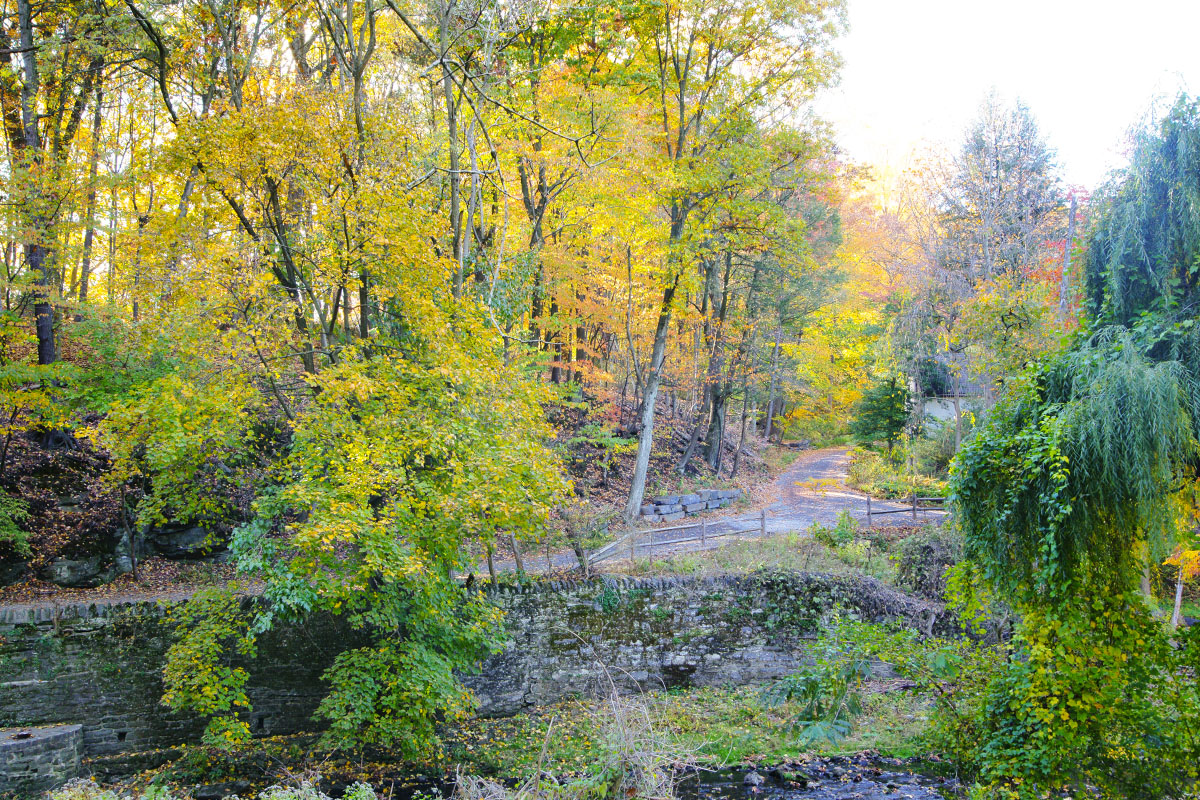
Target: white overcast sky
[(916, 72)]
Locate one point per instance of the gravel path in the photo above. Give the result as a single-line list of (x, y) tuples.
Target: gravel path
[(811, 490)]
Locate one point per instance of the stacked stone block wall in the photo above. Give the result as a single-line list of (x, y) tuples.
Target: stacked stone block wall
[(34, 759), (672, 507), (100, 666)]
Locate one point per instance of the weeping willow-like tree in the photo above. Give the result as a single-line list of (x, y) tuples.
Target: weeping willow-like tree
[(1143, 259), (1069, 486), (1071, 490)]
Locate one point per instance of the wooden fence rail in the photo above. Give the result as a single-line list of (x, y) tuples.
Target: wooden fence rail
[(914, 505), (630, 543), (644, 542)]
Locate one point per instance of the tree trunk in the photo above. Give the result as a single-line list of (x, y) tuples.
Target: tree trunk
[(454, 177), (653, 378), (700, 424), (517, 554), (555, 346), (716, 426), (39, 258), (771, 389), (93, 169), (1177, 616), (737, 454), (364, 301), (580, 338)]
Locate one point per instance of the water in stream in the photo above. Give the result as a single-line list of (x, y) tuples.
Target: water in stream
[(824, 779)]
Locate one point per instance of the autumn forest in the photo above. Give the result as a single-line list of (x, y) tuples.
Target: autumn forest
[(366, 312)]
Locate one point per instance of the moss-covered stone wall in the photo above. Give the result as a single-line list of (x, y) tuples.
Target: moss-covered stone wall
[(100, 666)]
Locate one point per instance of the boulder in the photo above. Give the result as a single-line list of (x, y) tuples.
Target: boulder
[(707, 494), (12, 570), (672, 517), (179, 541), (675, 509), (648, 509), (692, 508), (81, 572), (688, 499), (667, 500)]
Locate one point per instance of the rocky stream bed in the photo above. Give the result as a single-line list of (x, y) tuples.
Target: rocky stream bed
[(837, 778)]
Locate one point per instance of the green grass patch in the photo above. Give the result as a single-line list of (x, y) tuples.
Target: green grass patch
[(711, 726), (715, 726), (864, 553)]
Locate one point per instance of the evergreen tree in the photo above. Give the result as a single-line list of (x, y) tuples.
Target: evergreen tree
[(882, 413)]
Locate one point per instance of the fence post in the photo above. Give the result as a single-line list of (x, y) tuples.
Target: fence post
[(868, 511), (913, 498), (703, 532), (517, 554), (762, 522)]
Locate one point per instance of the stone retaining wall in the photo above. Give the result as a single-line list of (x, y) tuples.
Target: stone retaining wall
[(100, 666), (36, 759), (669, 508)]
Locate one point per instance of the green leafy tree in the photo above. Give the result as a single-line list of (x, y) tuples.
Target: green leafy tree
[(882, 413), (395, 467), (1072, 490)]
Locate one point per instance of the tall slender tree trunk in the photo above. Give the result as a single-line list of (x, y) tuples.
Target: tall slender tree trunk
[(771, 388), (700, 424), (456, 222), (1177, 615), (580, 355), (653, 379), (555, 346), (364, 304), (957, 421), (715, 440), (39, 257), (89, 233)]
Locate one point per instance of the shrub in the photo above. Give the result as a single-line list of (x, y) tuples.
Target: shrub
[(841, 533), (307, 791), (829, 692), (1103, 696), (88, 789), (934, 451), (13, 512), (923, 558), (882, 476), (955, 674), (81, 789)]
